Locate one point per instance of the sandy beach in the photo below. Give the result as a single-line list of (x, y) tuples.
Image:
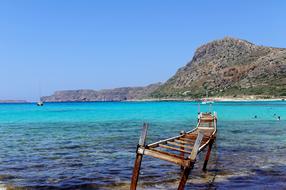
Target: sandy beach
[(215, 99)]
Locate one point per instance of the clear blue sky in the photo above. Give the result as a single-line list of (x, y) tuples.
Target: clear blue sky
[(68, 44)]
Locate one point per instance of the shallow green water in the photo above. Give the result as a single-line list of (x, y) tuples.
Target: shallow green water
[(92, 145)]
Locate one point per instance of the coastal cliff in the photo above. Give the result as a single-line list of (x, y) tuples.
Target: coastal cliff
[(117, 94), (227, 67)]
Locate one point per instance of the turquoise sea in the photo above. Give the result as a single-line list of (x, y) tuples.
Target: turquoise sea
[(92, 145)]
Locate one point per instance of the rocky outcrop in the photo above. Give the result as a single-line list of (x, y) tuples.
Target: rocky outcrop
[(117, 94), (229, 67)]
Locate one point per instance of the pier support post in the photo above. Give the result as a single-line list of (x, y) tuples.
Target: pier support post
[(192, 158), (208, 154), (136, 171), (139, 156), (185, 176)]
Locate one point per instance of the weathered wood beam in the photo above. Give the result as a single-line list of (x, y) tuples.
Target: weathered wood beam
[(167, 153), (138, 159), (142, 140), (196, 146), (136, 170), (191, 136), (179, 145), (156, 144), (187, 139), (173, 148), (192, 157), (166, 157), (185, 176), (183, 142)]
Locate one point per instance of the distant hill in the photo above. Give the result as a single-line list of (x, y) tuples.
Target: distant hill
[(229, 67), (225, 67), (117, 94), (12, 101)]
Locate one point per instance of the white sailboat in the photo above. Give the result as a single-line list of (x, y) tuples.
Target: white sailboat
[(40, 103)]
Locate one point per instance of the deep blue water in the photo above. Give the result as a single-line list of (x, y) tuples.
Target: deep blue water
[(92, 145)]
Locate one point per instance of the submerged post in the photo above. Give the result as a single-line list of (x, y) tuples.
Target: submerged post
[(192, 158), (185, 176), (139, 156), (208, 154)]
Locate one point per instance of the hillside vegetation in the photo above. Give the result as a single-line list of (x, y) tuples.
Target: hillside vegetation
[(229, 67)]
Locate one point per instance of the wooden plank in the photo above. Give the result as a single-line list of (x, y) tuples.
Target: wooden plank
[(167, 153), (173, 159), (179, 145), (207, 119), (156, 144), (206, 128), (183, 142), (192, 135), (173, 148), (196, 146), (143, 135), (204, 140), (187, 139)]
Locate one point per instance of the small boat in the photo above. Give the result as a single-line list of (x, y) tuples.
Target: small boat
[(207, 100), (40, 103)]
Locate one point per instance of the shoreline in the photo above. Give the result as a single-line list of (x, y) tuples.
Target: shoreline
[(214, 99)]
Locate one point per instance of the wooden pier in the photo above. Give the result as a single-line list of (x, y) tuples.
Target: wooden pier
[(181, 150)]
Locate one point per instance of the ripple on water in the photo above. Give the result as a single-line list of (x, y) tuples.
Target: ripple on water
[(100, 154)]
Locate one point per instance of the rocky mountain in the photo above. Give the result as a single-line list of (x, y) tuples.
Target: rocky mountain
[(117, 94), (229, 67), (225, 67)]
